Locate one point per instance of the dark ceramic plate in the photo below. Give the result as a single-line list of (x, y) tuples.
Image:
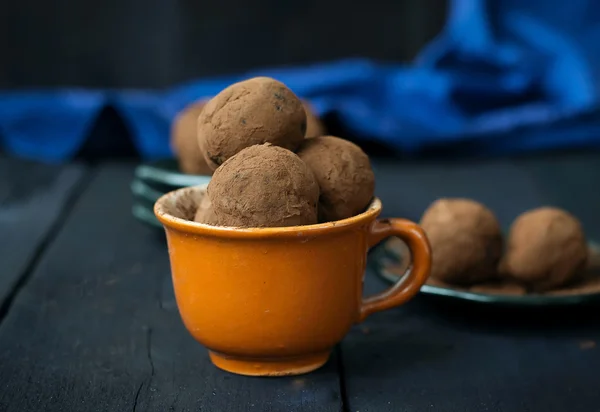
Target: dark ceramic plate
[(144, 191), (145, 215), (164, 176), (144, 198), (154, 179), (386, 256)]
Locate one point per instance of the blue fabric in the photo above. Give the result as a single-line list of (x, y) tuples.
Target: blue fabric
[(504, 76)]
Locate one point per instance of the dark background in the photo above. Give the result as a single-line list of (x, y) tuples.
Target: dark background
[(75, 261), (155, 44)]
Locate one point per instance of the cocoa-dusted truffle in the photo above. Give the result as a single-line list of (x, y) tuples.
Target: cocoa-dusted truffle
[(344, 174), (184, 141), (264, 186), (499, 287), (546, 249), (314, 125), (255, 111), (465, 239), (205, 213)]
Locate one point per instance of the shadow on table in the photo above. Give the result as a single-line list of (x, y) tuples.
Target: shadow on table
[(518, 321), (435, 335)]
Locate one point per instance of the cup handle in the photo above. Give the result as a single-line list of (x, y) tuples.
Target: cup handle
[(415, 276)]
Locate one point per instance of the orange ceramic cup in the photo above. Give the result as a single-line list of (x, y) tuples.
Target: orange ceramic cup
[(275, 301)]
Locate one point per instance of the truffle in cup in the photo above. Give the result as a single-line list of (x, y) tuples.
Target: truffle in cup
[(251, 112), (205, 213), (466, 241), (264, 186), (546, 249), (344, 174)]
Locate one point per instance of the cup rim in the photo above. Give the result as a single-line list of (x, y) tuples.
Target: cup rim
[(168, 220)]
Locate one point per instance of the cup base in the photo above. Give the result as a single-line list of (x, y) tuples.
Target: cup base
[(269, 367)]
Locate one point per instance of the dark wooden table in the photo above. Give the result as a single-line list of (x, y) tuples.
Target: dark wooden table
[(89, 321)]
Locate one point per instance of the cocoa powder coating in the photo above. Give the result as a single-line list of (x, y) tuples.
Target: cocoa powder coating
[(499, 287), (184, 141), (546, 249), (264, 186), (344, 175), (251, 112), (205, 213), (465, 239)]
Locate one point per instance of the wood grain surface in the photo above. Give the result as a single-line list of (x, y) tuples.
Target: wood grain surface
[(96, 327), (34, 200)]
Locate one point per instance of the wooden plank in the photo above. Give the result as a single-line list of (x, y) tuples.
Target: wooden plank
[(436, 356), (32, 196), (97, 328), (430, 355)]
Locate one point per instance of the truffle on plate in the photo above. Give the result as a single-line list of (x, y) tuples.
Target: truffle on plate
[(205, 213), (546, 249), (465, 239), (264, 186), (344, 174), (184, 140), (314, 125), (499, 287), (255, 111)]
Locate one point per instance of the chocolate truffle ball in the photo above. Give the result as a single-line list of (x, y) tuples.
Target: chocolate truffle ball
[(314, 125), (499, 287), (184, 141), (344, 174), (264, 186), (546, 249), (465, 239), (205, 213), (255, 111)]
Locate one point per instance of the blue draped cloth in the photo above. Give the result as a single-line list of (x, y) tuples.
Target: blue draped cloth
[(504, 76)]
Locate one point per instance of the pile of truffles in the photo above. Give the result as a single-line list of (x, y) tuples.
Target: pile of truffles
[(186, 139), (545, 251), (272, 167)]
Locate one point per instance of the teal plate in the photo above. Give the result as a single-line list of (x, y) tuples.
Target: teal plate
[(144, 197), (145, 192), (154, 179), (164, 175), (145, 215), (383, 257)]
